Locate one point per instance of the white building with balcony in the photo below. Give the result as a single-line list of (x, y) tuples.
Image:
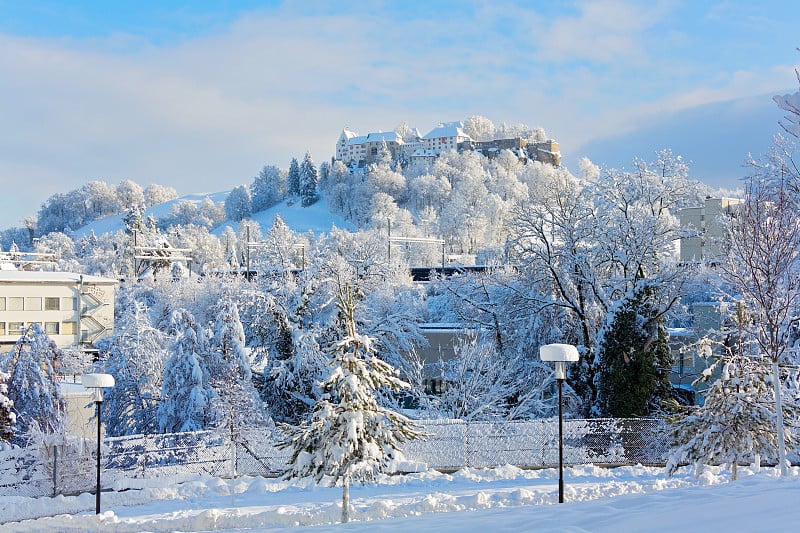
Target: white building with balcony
[(75, 310)]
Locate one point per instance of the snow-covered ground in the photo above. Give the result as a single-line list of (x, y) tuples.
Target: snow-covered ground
[(316, 218), (503, 499)]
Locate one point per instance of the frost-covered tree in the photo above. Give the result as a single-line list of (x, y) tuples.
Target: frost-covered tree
[(100, 200), (130, 194), (736, 422), (406, 132), (8, 419), (62, 248), (238, 204), (134, 218), (763, 264), (185, 391), (483, 385), (349, 437), (309, 177), (268, 188), (790, 103), (281, 250), (236, 402), (590, 244), (293, 184), (135, 356), (479, 128), (155, 194), (33, 385)]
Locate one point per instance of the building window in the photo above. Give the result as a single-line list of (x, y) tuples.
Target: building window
[(2, 303), (51, 328), (15, 303), (2, 328), (68, 328), (33, 304), (52, 304), (69, 304), (15, 328)]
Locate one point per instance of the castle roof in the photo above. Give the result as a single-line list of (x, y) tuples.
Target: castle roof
[(447, 129)]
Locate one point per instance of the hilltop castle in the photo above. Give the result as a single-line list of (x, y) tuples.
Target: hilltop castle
[(360, 150)]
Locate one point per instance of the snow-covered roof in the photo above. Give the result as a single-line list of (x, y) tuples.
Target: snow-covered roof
[(24, 276), (388, 136), (447, 129), (360, 139)]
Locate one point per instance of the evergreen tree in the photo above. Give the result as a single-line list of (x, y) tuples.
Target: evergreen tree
[(634, 360), (33, 386), (185, 392), (236, 402), (7, 417), (349, 436), (293, 179), (737, 419), (308, 181), (134, 218), (135, 356)]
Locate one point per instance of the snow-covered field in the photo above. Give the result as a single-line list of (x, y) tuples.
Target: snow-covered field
[(503, 499)]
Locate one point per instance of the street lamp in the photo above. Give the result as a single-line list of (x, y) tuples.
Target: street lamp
[(560, 354), (97, 382)]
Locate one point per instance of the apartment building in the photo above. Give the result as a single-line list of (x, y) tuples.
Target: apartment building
[(705, 242), (73, 309)]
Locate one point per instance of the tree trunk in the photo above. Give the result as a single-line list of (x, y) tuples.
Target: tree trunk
[(345, 500), (776, 383)]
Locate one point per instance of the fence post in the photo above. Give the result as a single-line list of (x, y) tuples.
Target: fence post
[(233, 452), (55, 470)]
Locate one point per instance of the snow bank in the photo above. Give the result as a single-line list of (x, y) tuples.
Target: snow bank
[(500, 499)]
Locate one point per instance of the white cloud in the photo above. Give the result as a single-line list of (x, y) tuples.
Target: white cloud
[(607, 31), (206, 113)]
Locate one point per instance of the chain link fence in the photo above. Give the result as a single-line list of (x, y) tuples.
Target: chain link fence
[(69, 468)]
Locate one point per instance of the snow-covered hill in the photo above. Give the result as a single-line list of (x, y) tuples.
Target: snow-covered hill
[(316, 218)]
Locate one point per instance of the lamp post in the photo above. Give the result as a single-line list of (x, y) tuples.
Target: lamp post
[(560, 354), (97, 382)]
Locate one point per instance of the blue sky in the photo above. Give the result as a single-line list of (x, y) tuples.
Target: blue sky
[(200, 95)]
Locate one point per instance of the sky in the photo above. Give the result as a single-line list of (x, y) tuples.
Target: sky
[(201, 95)]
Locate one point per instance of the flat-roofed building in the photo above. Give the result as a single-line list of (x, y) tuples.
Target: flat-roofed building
[(705, 243), (75, 310)]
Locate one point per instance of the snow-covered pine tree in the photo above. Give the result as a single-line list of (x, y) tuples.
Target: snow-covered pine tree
[(293, 179), (33, 386), (135, 356), (7, 417), (236, 402), (737, 420), (185, 392), (349, 437), (308, 181)]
